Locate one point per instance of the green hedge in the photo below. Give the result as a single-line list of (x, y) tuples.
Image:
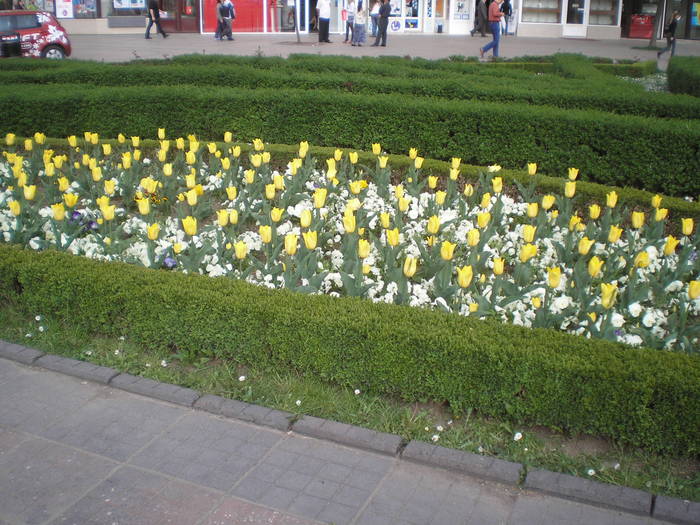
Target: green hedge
[(684, 75), (640, 397), (649, 154), (621, 98)]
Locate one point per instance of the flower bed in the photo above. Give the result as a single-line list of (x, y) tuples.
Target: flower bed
[(477, 248)]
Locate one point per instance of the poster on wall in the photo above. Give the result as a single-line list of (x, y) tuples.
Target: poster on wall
[(460, 12), (129, 4), (695, 15), (64, 9), (395, 7)]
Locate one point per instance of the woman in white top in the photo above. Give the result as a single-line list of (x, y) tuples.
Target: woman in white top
[(350, 21), (374, 15), (358, 33)]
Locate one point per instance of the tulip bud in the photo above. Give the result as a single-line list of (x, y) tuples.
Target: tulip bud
[(320, 197), (447, 250), (468, 190), (483, 219), (153, 231), (433, 225), (531, 168), (349, 222), (670, 246), (694, 289), (548, 201), (409, 266), (570, 189), (498, 264), (554, 277), (573, 173), (363, 248), (28, 145), (256, 160), (290, 243), (430, 240), (233, 216), (135, 141), (385, 220), (687, 226), (608, 295), (10, 139), (614, 234), (497, 184), (594, 211), (464, 276)]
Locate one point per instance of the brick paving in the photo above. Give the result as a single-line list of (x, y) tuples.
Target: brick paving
[(77, 452)]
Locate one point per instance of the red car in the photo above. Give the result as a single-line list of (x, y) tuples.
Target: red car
[(40, 34)]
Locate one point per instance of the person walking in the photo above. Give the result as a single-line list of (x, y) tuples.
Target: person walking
[(670, 35), (219, 20), (358, 34), (495, 15), (507, 11), (323, 10), (154, 18), (374, 15), (384, 12), (228, 13), (480, 18), (349, 21)]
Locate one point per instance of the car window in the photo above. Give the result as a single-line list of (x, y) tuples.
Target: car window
[(5, 23), (26, 21)]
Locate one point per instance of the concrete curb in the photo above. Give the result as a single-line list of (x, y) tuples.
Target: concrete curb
[(588, 491), (626, 499), (465, 462)]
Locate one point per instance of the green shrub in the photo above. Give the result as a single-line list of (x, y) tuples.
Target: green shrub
[(640, 397), (684, 75), (609, 149)]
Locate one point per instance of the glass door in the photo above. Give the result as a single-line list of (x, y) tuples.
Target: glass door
[(576, 18), (180, 16)]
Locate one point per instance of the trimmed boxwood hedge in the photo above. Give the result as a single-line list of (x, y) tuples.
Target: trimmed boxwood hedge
[(641, 397), (684, 75), (655, 155)]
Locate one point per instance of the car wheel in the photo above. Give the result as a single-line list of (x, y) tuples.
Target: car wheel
[(55, 52)]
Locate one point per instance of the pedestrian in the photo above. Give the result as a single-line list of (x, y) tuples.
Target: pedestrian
[(507, 11), (154, 18), (358, 34), (670, 34), (495, 15), (374, 15), (384, 12), (228, 13), (349, 20), (323, 10), (219, 20), (480, 18)]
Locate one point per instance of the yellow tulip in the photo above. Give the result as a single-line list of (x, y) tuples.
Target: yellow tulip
[(165, 145), (226, 163), (22, 179), (532, 209), (10, 139), (529, 232), (235, 151), (102, 201), (270, 191), (290, 243), (256, 160), (222, 217), (611, 199), (107, 149), (455, 162), (527, 252), (637, 219), (249, 176), (265, 157), (199, 189), (178, 247), (349, 222), (465, 275), (497, 184), (180, 143), (468, 190), (432, 182), (531, 168), (404, 202), (167, 169), (473, 307), (410, 266), (294, 165), (191, 197), (594, 211), (92, 163), (614, 234), (28, 144), (189, 224), (392, 237), (494, 168), (573, 173), (355, 186), (59, 212), (240, 250), (656, 201), (498, 266), (231, 192), (276, 214), (96, 174), (385, 219), (670, 246), (354, 205), (29, 192), (594, 266), (412, 153), (687, 226), (473, 237), (608, 294), (153, 231), (433, 225), (548, 201), (694, 289), (337, 155), (135, 141), (58, 161), (485, 200), (126, 160), (554, 277), (454, 173), (15, 208), (660, 214), (641, 260), (71, 199), (258, 145), (108, 212), (430, 240), (162, 155), (440, 197), (353, 156), (447, 250), (574, 221), (585, 245), (398, 191), (233, 216), (144, 206), (382, 161), (418, 162), (320, 197), (570, 189), (536, 302), (376, 148), (310, 239), (148, 184), (363, 248), (483, 219)]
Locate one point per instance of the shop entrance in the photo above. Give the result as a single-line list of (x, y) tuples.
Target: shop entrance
[(575, 18), (179, 16)]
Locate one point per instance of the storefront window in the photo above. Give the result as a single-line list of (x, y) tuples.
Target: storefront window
[(440, 8), (542, 11), (603, 13), (694, 21)]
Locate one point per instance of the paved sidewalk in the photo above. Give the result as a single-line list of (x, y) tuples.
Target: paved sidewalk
[(120, 48), (76, 452)]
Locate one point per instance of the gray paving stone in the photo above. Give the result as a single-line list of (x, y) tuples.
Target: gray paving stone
[(233, 408), (73, 367), (19, 353), (589, 491), (151, 388), (677, 510), (307, 505), (234, 511), (209, 403), (337, 514), (40, 478), (348, 434)]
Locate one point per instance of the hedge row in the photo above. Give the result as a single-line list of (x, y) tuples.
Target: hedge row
[(533, 90), (641, 397), (658, 156), (684, 75)]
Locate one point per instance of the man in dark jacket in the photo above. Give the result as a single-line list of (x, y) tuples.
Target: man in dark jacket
[(480, 19), (384, 13), (670, 35), (154, 18)]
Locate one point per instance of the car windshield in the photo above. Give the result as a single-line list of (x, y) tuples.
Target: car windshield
[(26, 21), (5, 23)]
